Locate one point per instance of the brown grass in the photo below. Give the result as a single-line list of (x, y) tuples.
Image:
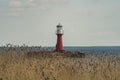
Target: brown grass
[(21, 66)]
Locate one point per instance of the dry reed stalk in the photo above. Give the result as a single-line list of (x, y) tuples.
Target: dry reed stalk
[(14, 66)]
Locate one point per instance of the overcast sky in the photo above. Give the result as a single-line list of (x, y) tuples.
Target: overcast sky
[(85, 22)]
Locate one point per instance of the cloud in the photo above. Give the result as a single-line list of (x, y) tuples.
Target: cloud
[(16, 3), (33, 3), (50, 1), (20, 5)]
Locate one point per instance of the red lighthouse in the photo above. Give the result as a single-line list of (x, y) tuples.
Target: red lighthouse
[(59, 33)]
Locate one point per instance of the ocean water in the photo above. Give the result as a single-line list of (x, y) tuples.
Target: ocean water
[(111, 50)]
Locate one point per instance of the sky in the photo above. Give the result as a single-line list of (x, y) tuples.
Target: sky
[(85, 22)]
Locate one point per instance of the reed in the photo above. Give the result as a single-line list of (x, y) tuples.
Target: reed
[(21, 66)]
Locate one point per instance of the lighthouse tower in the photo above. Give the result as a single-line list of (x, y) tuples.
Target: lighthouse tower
[(59, 33)]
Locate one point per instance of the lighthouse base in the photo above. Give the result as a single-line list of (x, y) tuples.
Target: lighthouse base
[(62, 51)]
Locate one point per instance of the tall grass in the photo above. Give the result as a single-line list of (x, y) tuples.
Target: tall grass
[(21, 66)]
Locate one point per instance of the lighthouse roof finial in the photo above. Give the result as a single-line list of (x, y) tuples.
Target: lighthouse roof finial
[(59, 25)]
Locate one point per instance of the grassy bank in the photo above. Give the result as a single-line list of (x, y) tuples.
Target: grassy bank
[(24, 66)]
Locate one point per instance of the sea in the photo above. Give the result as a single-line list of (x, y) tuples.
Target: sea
[(112, 50), (100, 50)]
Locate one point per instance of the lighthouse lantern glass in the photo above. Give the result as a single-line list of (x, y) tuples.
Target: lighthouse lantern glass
[(59, 30)]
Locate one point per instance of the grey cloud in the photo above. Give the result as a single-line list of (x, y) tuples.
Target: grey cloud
[(32, 3), (20, 5)]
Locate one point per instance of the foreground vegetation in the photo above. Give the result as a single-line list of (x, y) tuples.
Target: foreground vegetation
[(40, 66)]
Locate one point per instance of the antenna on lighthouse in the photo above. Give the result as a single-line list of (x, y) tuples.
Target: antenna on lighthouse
[(59, 33)]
